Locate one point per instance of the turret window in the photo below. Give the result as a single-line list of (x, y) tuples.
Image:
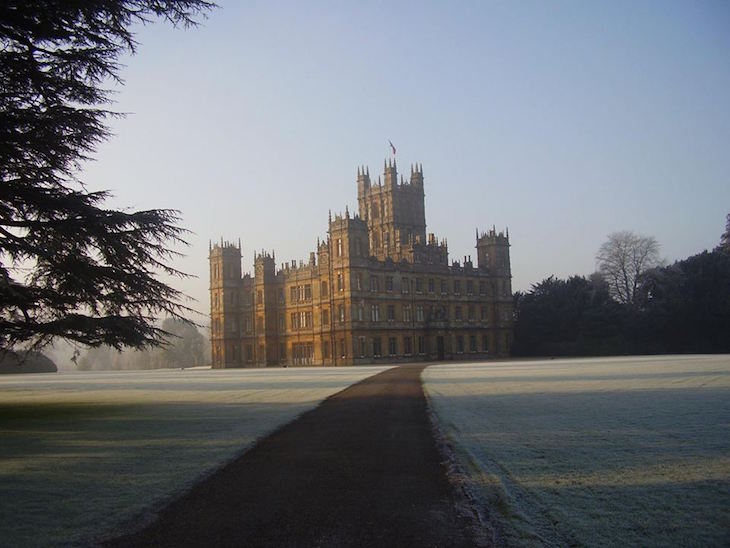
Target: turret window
[(339, 247)]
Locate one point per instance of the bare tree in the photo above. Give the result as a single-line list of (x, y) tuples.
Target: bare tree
[(724, 246), (622, 259)]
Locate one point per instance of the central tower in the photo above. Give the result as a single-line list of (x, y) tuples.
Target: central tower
[(394, 212)]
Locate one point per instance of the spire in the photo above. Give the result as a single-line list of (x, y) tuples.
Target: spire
[(347, 212), (358, 171)]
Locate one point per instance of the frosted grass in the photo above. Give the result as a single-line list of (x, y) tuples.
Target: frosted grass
[(598, 452), (85, 453)]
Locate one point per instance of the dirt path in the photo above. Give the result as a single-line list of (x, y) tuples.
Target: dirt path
[(362, 469)]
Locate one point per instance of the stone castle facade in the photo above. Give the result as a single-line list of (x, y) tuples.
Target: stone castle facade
[(378, 289)]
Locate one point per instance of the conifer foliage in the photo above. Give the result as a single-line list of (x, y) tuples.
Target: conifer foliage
[(69, 266)]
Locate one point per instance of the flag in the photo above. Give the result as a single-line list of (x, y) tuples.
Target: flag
[(392, 147)]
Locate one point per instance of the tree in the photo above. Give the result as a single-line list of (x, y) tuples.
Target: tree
[(724, 246), (622, 259), (69, 267), (568, 317), (185, 346)]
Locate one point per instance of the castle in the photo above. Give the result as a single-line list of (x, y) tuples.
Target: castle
[(377, 289)]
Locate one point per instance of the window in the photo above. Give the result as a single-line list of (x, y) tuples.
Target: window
[(302, 353), (325, 316), (405, 285), (392, 346), (419, 313), (470, 313), (375, 313), (421, 344), (419, 285), (485, 343), (358, 247), (482, 287), (457, 287), (483, 313), (391, 312), (282, 351), (299, 293), (326, 349), (339, 247), (472, 343), (358, 312), (248, 325), (389, 283), (340, 282), (377, 350), (249, 353), (361, 346), (459, 344), (301, 320), (282, 322), (444, 287), (358, 282), (457, 313), (324, 289), (341, 313), (407, 346), (407, 316), (374, 283), (430, 285), (343, 350), (470, 287)]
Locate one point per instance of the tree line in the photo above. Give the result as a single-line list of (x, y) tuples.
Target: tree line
[(632, 305)]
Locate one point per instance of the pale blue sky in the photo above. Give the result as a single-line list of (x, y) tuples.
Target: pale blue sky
[(564, 121)]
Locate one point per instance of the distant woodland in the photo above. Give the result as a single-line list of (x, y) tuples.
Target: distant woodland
[(680, 308), (186, 346)]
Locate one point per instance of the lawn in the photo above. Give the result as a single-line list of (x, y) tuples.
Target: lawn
[(85, 453), (599, 452)]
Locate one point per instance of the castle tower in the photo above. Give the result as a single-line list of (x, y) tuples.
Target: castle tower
[(494, 261), (265, 307), (394, 212), (493, 253), (225, 303)]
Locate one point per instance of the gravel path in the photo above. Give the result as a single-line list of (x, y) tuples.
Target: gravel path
[(362, 469)]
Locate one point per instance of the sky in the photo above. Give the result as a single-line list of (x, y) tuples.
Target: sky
[(563, 121)]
